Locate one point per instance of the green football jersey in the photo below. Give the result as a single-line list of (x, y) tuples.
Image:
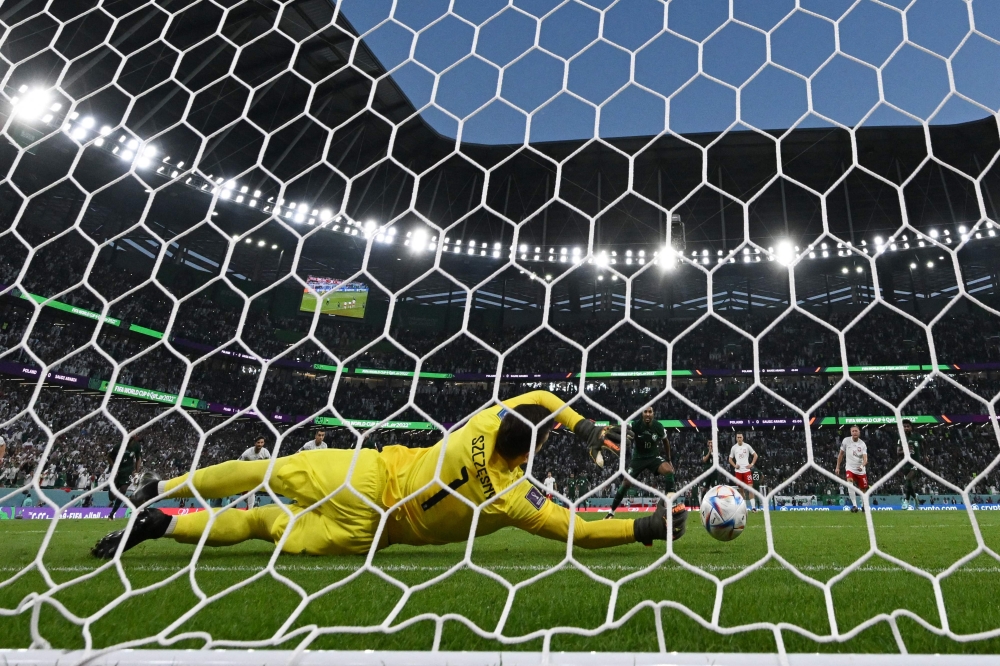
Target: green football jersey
[(916, 442), (133, 451), (708, 463), (648, 439)]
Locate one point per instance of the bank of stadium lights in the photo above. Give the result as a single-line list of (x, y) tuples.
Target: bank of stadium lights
[(34, 104)]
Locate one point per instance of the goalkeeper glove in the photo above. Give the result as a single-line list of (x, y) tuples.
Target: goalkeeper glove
[(654, 528), (599, 438)]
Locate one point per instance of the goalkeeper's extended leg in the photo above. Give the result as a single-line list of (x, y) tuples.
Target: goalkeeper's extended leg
[(235, 477), (229, 528)]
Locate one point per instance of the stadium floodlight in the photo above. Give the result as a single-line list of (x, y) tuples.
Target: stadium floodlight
[(261, 243), (126, 155), (32, 105), (859, 269), (88, 122), (325, 215), (844, 270), (602, 258), (79, 134), (576, 251), (930, 264), (418, 242), (962, 229), (785, 255), (913, 265)]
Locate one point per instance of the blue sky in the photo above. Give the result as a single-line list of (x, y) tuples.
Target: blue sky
[(494, 63)]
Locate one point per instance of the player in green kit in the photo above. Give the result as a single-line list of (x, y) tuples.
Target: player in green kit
[(916, 442), (706, 464), (576, 486), (131, 463), (647, 455)]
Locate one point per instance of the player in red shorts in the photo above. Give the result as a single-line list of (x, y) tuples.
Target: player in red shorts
[(742, 457), (856, 452)]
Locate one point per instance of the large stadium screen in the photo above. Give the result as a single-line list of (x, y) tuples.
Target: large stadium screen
[(337, 297)]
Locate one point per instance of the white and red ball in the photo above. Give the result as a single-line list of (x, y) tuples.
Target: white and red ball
[(724, 513)]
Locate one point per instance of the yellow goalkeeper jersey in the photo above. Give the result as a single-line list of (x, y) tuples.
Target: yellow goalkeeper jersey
[(476, 473)]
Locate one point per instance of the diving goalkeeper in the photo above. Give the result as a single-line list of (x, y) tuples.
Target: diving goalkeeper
[(481, 459)]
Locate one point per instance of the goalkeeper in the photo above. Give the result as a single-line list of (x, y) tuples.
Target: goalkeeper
[(649, 437), (481, 459)]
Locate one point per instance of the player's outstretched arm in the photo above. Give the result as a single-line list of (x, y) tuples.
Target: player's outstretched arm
[(563, 414), (531, 512)]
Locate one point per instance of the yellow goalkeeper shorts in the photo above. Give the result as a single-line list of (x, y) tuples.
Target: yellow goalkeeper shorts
[(344, 524)]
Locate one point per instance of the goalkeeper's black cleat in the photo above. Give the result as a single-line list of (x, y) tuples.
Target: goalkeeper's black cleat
[(148, 489), (854, 509), (149, 524)]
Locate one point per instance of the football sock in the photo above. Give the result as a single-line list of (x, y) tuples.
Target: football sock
[(116, 504), (753, 503), (619, 496), (229, 527), (850, 491), (171, 527), (229, 478), (669, 484)]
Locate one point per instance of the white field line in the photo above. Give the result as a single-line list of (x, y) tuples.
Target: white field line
[(333, 566)]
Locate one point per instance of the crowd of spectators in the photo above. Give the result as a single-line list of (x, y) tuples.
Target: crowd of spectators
[(231, 375), (81, 455)]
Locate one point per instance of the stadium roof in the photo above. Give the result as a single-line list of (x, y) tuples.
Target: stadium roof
[(629, 185)]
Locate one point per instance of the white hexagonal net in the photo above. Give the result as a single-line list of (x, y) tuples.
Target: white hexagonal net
[(134, 130)]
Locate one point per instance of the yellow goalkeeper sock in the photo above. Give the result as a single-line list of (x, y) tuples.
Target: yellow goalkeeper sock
[(229, 527), (229, 478)]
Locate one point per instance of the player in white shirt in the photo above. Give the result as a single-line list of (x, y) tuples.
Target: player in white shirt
[(255, 452), (856, 452), (742, 457), (550, 485), (316, 443)]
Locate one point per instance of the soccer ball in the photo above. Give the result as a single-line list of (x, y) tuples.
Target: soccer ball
[(723, 513)]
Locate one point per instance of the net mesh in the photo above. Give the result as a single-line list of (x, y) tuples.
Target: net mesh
[(180, 88)]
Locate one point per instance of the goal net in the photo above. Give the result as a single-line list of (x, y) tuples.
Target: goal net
[(243, 230)]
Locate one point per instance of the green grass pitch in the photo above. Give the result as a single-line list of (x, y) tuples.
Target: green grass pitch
[(335, 303), (822, 544)]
